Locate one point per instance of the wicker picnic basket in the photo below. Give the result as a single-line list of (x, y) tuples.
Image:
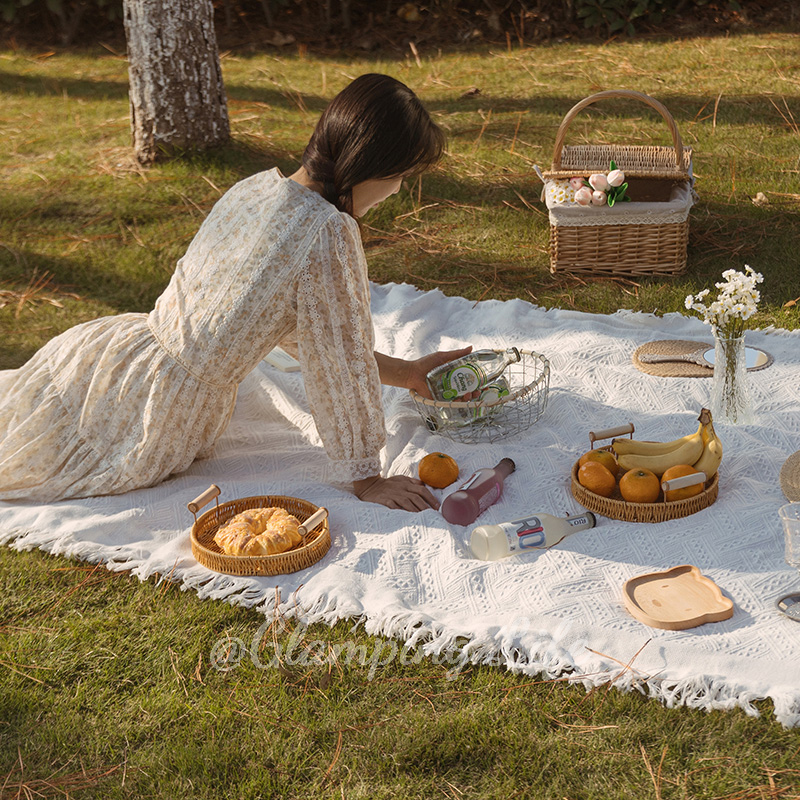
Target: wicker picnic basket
[(616, 507), (647, 236), (314, 528)]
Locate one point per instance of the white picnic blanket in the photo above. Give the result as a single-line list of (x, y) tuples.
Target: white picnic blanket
[(412, 577)]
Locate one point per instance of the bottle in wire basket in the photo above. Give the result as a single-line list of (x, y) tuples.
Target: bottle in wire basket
[(469, 373), (481, 489), (489, 398), (534, 532)]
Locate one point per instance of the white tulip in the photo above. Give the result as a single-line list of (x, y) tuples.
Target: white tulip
[(598, 182), (616, 177)]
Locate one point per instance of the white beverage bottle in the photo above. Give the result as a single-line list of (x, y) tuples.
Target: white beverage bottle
[(534, 532), (469, 373)]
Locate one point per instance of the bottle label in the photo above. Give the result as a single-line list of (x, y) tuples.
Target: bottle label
[(524, 534), (529, 533), (472, 478), (461, 380), (491, 393), (485, 500)]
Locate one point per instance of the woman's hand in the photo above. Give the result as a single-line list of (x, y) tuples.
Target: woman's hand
[(420, 367), (399, 491), (411, 374)]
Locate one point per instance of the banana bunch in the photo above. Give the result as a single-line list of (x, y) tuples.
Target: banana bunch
[(701, 449)]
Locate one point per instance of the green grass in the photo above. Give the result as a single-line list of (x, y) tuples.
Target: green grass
[(108, 692), (107, 688)]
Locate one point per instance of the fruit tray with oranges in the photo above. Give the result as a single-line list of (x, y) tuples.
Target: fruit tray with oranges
[(638, 494)]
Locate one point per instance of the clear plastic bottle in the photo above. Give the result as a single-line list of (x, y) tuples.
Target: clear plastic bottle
[(469, 373), (472, 498), (534, 532)]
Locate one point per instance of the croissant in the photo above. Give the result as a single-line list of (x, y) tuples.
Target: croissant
[(259, 532)]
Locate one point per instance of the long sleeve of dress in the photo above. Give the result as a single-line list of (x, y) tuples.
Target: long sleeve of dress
[(336, 350)]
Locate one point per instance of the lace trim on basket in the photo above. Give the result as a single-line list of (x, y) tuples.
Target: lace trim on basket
[(630, 219)]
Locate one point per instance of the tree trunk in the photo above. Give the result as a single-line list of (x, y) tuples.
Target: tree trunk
[(177, 96)]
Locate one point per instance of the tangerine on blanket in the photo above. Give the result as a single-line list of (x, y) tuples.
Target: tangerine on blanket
[(438, 470)]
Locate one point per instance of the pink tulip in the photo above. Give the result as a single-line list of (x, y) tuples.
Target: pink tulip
[(598, 182), (583, 197), (598, 198), (616, 177), (576, 183)]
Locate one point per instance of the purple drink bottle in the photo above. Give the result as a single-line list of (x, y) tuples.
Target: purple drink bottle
[(483, 488)]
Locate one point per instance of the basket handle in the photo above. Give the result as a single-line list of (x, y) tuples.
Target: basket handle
[(312, 522), (204, 499), (683, 481), (650, 101), (609, 432)]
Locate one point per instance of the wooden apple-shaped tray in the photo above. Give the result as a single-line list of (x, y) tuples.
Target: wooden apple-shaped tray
[(677, 599)]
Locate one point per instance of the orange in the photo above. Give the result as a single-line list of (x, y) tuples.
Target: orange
[(678, 471), (438, 470), (640, 486), (596, 478), (604, 457)]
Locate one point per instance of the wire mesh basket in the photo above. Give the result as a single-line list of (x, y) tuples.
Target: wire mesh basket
[(474, 421)]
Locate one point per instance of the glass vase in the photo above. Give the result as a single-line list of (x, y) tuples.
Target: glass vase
[(730, 392)]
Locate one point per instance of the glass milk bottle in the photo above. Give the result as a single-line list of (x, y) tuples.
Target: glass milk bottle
[(534, 532), (482, 489), (469, 373)]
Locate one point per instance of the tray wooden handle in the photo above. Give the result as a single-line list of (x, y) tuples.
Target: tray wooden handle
[(204, 499), (608, 433), (683, 481), (312, 522), (611, 93)]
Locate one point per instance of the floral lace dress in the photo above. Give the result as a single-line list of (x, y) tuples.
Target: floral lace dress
[(123, 402)]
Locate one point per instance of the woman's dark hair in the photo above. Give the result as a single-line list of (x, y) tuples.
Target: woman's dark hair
[(375, 128)]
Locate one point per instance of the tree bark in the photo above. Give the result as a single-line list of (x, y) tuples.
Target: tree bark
[(177, 97)]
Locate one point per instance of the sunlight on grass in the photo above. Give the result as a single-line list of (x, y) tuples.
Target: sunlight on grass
[(108, 690), (149, 716)]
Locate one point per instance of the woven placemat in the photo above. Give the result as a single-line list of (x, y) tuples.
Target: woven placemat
[(686, 369), (790, 477), (672, 369)]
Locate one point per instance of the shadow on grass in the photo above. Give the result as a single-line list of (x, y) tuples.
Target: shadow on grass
[(11, 83), (86, 277), (243, 157), (739, 110)]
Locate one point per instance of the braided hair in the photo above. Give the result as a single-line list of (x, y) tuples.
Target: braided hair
[(375, 128)]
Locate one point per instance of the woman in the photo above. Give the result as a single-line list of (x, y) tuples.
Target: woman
[(124, 402)]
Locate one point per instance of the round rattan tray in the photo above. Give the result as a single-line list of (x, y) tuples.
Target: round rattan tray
[(790, 477), (205, 549), (617, 508)]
